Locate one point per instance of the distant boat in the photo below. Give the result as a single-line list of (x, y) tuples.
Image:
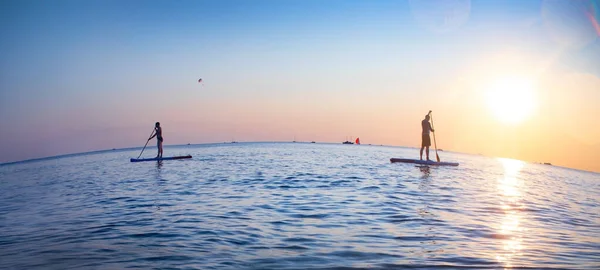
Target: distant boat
[(547, 163), (312, 142), (347, 142), (357, 141)]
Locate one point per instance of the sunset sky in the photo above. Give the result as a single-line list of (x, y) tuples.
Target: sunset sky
[(517, 79)]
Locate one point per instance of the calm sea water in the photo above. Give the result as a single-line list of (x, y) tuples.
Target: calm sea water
[(295, 206)]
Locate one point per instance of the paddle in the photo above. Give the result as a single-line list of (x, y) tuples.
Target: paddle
[(146, 144), (434, 143)]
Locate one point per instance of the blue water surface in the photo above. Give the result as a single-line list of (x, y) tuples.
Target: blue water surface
[(295, 206)]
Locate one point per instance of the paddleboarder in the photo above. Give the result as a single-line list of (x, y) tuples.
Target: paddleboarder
[(159, 140), (425, 140)]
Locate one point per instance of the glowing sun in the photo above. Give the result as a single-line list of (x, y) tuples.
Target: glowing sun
[(512, 99)]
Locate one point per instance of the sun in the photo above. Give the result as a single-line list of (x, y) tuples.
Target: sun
[(512, 99)]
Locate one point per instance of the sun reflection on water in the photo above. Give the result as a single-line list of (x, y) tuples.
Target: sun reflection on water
[(510, 230)]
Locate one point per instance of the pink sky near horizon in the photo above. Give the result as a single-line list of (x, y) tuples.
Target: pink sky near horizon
[(553, 134)]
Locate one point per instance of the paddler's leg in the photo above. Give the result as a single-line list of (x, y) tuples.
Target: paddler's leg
[(426, 142), (160, 148), (423, 145)]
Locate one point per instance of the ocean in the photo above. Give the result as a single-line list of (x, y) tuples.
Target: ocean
[(295, 206)]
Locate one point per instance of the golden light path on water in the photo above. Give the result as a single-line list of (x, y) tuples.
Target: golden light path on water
[(510, 187)]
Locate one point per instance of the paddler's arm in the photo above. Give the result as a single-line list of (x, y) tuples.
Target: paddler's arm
[(153, 135)]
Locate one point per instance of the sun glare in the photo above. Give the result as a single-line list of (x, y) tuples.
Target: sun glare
[(511, 100)]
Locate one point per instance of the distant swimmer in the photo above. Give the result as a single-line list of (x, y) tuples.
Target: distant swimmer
[(425, 140), (159, 139)]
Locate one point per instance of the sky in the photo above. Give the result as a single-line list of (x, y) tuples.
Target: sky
[(79, 76)]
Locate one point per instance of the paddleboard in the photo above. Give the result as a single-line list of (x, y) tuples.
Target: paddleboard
[(423, 162), (157, 159)]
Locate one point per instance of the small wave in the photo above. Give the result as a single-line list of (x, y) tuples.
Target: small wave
[(370, 188), (354, 255), (293, 247), (299, 240), (167, 258), (339, 182), (413, 238), (315, 216), (153, 235), (330, 226)]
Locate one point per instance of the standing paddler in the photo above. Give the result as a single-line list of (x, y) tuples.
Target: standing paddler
[(159, 139), (425, 139)]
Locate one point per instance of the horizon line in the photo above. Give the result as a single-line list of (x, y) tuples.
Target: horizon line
[(184, 144), (231, 142)]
